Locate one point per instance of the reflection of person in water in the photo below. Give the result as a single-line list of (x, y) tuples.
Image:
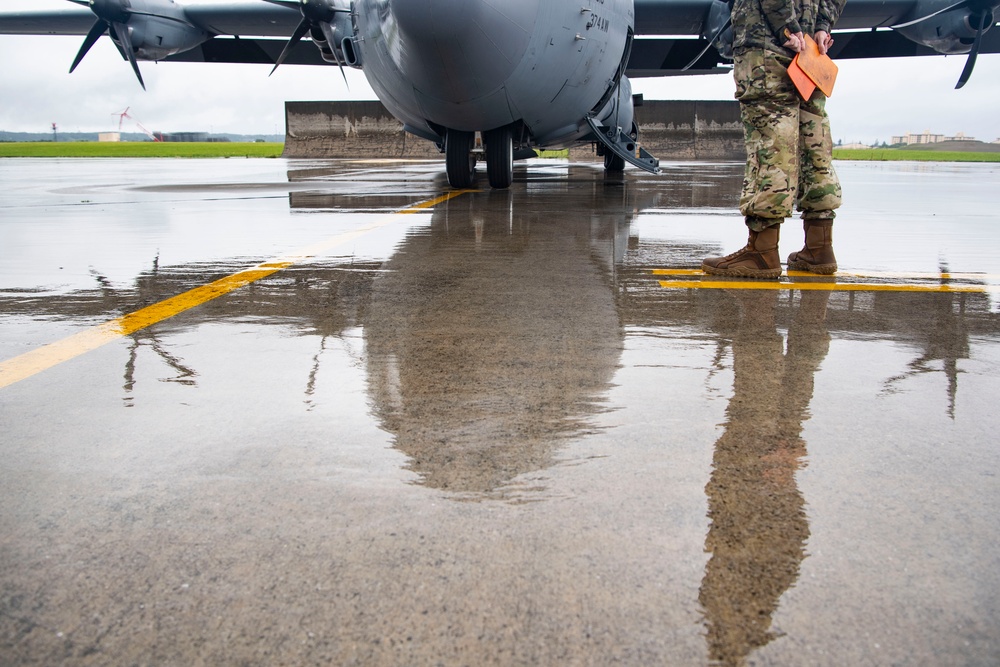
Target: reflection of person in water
[(758, 524)]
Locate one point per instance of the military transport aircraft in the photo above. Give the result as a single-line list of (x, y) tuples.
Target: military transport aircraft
[(521, 74)]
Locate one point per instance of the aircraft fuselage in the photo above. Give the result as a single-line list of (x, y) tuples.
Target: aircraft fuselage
[(476, 65)]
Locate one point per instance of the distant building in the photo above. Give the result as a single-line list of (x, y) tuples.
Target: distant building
[(109, 136), (855, 146), (927, 138)]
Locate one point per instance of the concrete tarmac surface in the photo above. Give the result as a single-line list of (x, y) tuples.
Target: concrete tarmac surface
[(268, 412)]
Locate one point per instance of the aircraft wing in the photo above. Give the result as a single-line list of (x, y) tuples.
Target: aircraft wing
[(672, 36), (892, 44), (236, 17), (866, 29), (669, 56), (688, 17), (69, 21), (252, 18)]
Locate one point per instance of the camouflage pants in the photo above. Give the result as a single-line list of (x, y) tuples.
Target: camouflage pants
[(788, 142)]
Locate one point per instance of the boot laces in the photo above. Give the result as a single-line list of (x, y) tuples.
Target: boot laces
[(742, 251)]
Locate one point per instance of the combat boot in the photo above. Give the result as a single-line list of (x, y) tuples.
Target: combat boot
[(758, 259), (817, 254)]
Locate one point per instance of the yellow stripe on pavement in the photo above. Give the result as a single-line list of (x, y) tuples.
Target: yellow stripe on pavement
[(678, 272), (45, 357), (829, 286), (898, 275)]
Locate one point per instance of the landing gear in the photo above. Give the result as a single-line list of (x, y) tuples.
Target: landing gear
[(500, 157), (460, 162), (618, 147), (613, 163), (460, 157)]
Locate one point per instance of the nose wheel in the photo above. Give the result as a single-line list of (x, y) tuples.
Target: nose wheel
[(460, 161), (500, 156), (460, 158)]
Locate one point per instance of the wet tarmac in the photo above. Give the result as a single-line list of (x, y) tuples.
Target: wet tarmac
[(258, 412)]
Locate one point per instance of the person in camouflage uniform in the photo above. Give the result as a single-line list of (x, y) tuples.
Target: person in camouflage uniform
[(788, 142)]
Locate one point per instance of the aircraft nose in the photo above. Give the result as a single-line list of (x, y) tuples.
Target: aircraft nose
[(457, 51)]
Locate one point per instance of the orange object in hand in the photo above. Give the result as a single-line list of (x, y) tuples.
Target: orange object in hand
[(817, 66), (802, 82)]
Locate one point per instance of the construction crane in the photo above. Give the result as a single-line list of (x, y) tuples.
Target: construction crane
[(125, 114)]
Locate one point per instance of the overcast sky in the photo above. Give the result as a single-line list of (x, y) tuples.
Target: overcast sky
[(873, 100)]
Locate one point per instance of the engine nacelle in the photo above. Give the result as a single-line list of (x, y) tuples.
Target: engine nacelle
[(154, 38), (950, 32), (335, 41), (719, 29)]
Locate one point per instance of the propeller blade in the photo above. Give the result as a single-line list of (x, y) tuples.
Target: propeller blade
[(300, 31), (98, 29), (120, 32), (83, 3), (718, 32), (973, 52), (331, 39), (341, 66)]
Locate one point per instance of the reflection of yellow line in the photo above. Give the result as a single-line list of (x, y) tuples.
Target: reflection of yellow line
[(43, 358), (390, 160), (831, 286)]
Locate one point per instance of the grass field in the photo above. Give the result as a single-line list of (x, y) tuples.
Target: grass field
[(139, 149), (246, 150), (895, 154)]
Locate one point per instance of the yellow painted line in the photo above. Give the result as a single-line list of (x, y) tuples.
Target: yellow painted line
[(828, 286), (898, 275), (678, 272), (902, 275), (47, 356)]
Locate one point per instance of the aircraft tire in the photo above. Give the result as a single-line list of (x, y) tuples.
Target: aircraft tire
[(460, 163), (613, 163), (500, 157)]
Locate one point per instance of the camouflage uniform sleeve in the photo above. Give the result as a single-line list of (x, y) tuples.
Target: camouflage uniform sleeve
[(829, 12), (780, 14)]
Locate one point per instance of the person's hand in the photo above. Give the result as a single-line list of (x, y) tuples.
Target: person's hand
[(823, 40), (796, 41)]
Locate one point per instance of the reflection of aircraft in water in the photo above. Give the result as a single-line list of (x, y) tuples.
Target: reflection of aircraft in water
[(946, 342), (492, 334), (522, 73)]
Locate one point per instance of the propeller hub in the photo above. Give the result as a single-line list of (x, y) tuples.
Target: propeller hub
[(112, 11), (318, 11)]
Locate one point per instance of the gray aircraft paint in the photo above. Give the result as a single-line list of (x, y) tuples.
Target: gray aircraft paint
[(546, 62)]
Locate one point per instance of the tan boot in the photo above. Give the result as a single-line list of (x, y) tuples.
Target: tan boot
[(817, 254), (758, 259)]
